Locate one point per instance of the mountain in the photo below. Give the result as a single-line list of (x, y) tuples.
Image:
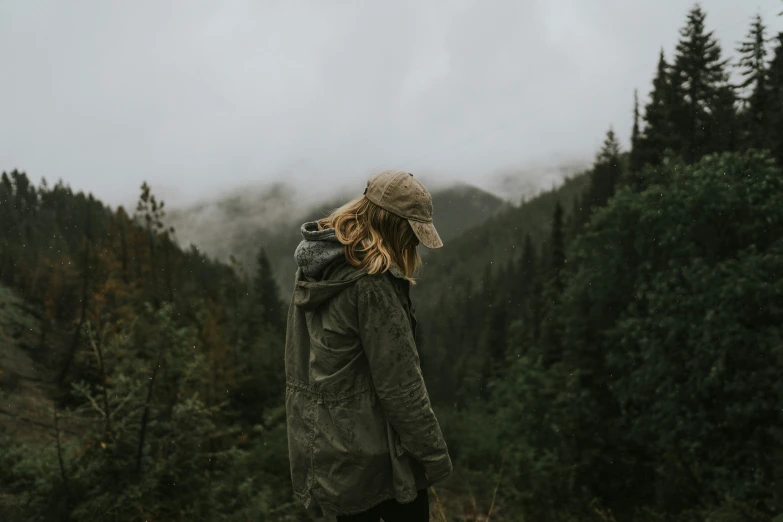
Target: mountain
[(242, 222), (222, 226), (494, 241), (521, 184)]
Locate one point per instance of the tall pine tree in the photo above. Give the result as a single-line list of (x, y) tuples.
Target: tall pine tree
[(753, 61), (775, 141), (635, 156), (659, 131), (266, 295), (606, 173), (705, 114), (551, 346)]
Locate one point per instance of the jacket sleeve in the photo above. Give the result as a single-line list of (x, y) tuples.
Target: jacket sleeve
[(387, 339)]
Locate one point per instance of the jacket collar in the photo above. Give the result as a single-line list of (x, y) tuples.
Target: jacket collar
[(396, 272)]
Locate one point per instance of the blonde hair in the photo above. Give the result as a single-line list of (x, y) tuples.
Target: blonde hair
[(374, 238)]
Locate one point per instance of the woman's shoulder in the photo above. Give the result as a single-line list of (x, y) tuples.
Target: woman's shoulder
[(386, 282)]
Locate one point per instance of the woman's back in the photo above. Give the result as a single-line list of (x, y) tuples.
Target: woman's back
[(360, 425)]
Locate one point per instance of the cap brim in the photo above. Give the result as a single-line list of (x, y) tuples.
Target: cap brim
[(426, 233)]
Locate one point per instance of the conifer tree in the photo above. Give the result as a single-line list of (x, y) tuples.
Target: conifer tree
[(151, 213), (704, 112), (635, 159), (551, 348), (606, 173), (557, 245), (527, 268), (753, 62), (267, 296), (85, 301), (775, 101), (528, 289), (659, 130)]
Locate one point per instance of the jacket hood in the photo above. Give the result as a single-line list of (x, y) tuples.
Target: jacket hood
[(321, 258), (317, 249)]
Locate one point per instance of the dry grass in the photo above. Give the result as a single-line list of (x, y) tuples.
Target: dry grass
[(455, 500)]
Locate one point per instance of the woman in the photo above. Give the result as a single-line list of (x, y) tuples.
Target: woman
[(363, 440)]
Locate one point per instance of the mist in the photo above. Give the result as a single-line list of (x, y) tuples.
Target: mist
[(203, 98)]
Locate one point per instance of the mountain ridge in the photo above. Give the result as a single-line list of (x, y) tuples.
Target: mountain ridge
[(239, 223)]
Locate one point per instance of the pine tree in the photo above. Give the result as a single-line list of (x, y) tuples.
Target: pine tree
[(775, 142), (704, 113), (606, 173), (635, 159), (557, 257), (551, 348), (753, 61), (258, 351), (528, 278), (267, 295), (151, 213), (659, 131), (497, 338)]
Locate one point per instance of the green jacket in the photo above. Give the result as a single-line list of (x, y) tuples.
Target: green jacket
[(361, 429)]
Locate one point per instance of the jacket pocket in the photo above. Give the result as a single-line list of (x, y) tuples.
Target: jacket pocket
[(351, 454)]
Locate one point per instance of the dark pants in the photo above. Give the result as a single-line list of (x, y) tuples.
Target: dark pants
[(392, 511)]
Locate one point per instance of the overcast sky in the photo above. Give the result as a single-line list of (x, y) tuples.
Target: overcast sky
[(198, 97)]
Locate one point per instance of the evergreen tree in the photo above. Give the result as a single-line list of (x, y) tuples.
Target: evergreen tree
[(636, 159), (606, 173), (526, 290), (557, 245), (753, 62), (527, 268), (659, 130), (775, 101), (496, 351), (151, 213), (267, 296), (704, 113), (550, 329), (258, 353)]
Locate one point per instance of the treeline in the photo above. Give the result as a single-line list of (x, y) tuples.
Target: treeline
[(627, 366), (167, 364)]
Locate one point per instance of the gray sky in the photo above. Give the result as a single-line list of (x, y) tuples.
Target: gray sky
[(198, 97)]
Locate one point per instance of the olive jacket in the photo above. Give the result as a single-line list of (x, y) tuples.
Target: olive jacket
[(361, 428)]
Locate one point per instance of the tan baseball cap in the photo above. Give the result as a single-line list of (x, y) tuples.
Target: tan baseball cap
[(400, 193)]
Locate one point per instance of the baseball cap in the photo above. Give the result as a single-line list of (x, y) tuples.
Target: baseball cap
[(400, 193)]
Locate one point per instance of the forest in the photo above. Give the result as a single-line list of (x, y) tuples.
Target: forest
[(609, 350)]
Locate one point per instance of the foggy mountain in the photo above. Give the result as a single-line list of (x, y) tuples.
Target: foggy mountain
[(242, 222)]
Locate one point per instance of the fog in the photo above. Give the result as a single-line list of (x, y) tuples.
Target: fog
[(199, 98)]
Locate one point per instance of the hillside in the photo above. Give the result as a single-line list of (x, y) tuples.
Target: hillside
[(24, 378), (495, 241)]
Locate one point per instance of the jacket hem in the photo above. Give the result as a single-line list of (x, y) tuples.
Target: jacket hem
[(331, 509)]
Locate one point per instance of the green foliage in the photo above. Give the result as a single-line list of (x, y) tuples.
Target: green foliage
[(663, 399), (151, 420), (153, 447), (451, 300), (706, 246)]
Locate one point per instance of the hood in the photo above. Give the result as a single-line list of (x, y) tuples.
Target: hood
[(319, 250)]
